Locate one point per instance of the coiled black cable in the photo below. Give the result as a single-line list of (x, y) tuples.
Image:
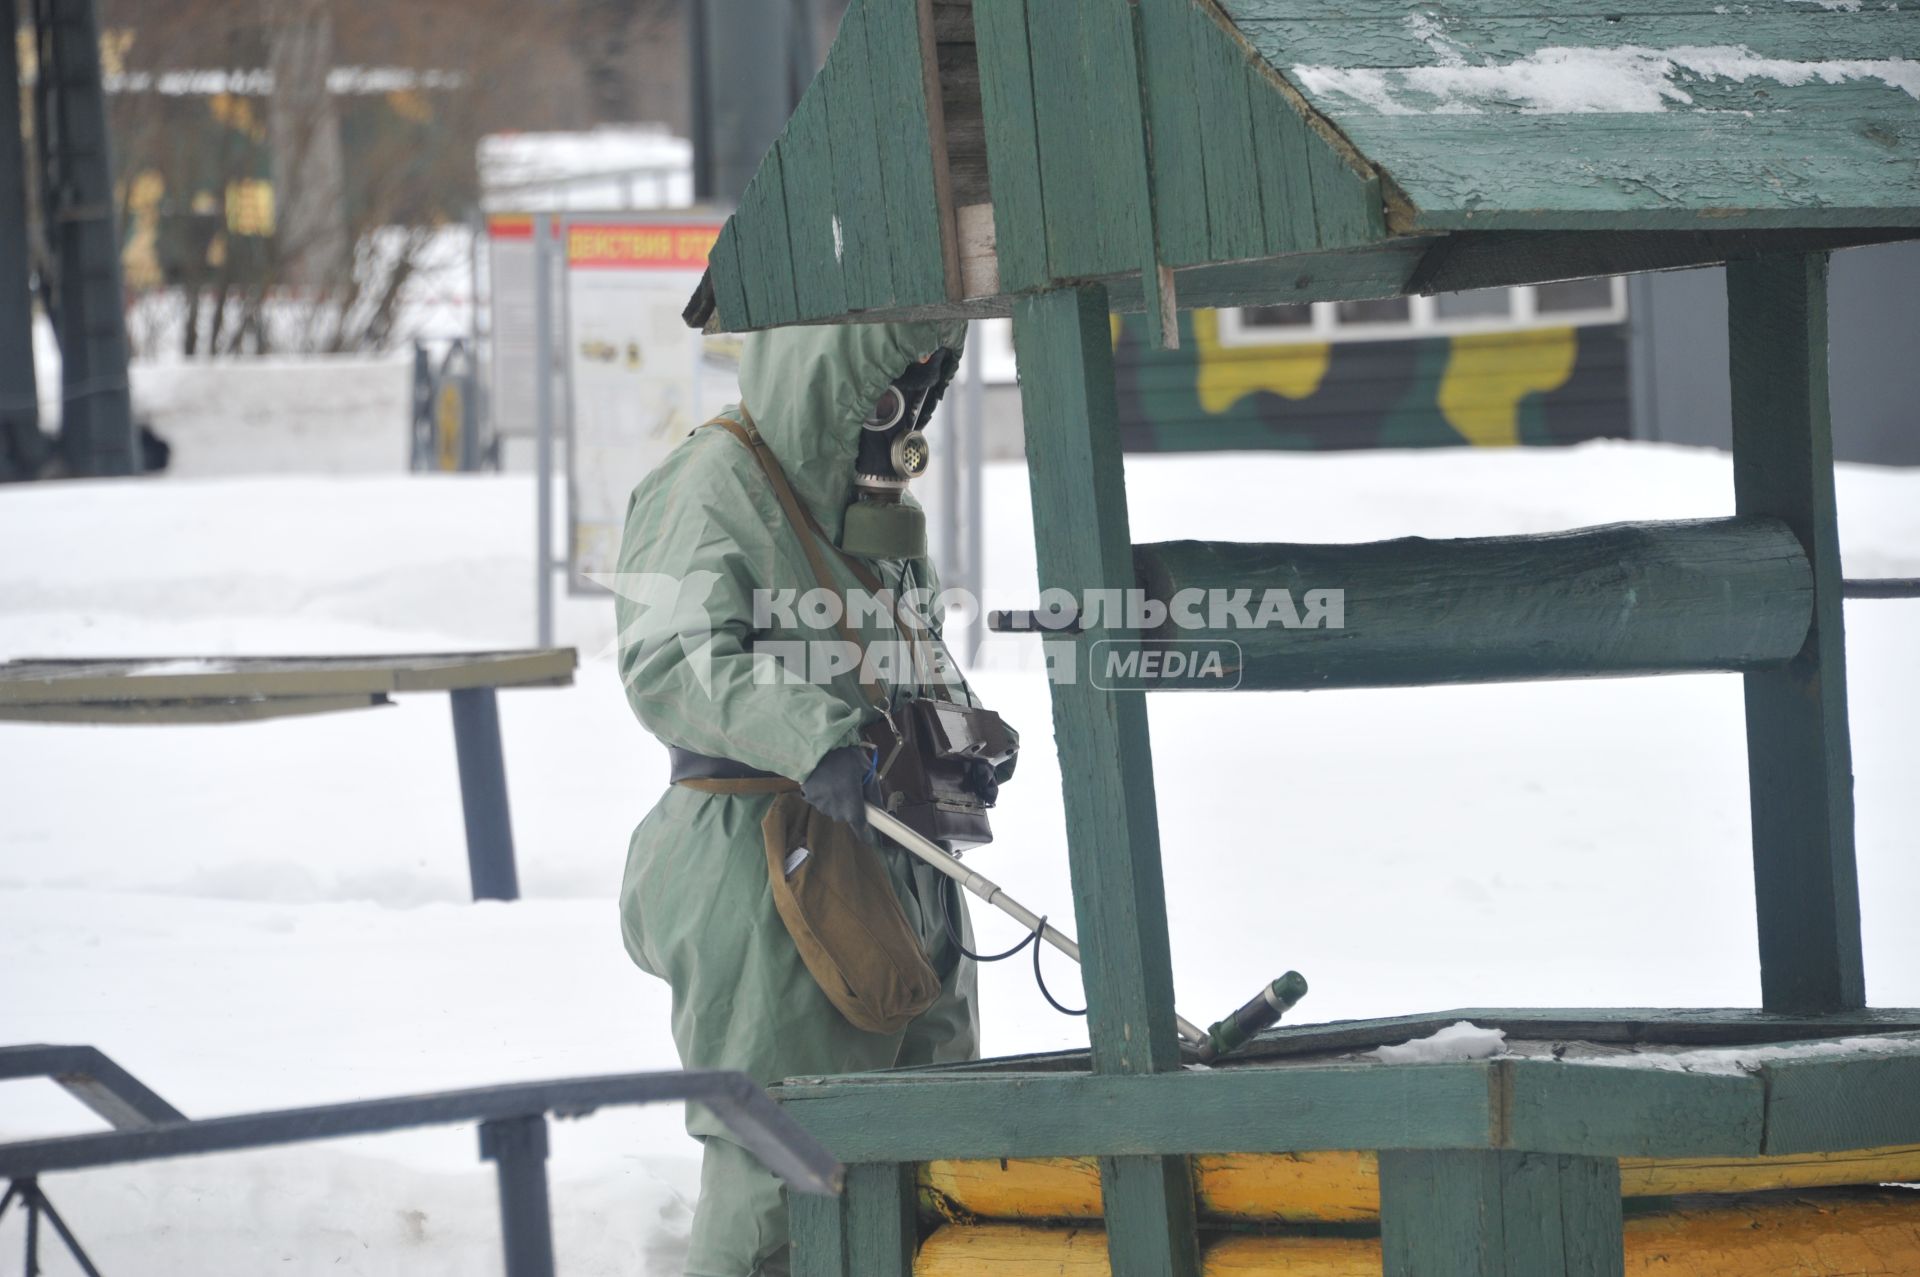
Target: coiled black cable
[(1032, 938)]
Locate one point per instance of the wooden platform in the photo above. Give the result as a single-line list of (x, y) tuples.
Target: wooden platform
[(218, 689), (238, 689), (1696, 1084)]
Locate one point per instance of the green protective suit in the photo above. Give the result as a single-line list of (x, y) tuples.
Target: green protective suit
[(704, 531)]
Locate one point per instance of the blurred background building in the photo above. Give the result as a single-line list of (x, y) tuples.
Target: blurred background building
[(301, 178)]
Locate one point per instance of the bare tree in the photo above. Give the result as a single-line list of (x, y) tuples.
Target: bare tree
[(304, 132), (353, 184)]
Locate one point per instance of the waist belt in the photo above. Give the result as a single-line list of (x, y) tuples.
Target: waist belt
[(685, 765)]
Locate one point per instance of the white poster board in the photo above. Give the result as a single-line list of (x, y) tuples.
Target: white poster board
[(639, 378), (510, 325)]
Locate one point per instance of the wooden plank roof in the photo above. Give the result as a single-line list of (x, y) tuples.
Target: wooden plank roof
[(1642, 115), (955, 153)]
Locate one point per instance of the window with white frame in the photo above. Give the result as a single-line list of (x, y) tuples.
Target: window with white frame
[(1572, 303)]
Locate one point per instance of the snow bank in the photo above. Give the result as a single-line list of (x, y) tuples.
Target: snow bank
[(593, 170), (324, 415), (1461, 1040)]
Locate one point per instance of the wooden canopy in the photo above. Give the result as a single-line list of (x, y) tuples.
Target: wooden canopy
[(952, 154)]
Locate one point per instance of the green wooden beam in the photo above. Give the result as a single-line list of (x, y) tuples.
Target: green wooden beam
[(817, 1235), (882, 1229), (1498, 259), (1306, 277), (1629, 1111), (1799, 762), (1065, 352), (1531, 1104), (1679, 1026), (1498, 1214), (1628, 598), (1825, 1105), (1864, 1097), (1240, 1110), (1711, 1026)]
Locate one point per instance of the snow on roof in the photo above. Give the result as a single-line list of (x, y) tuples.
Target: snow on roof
[(1630, 79), (1746, 1059), (258, 82), (533, 159)]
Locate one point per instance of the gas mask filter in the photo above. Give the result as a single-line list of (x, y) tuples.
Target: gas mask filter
[(893, 453)]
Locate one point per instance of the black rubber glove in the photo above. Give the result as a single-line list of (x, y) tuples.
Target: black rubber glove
[(838, 788), (981, 781)]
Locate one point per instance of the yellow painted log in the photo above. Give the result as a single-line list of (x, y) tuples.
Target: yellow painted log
[(1831, 1235), (1344, 1187), (1650, 1177), (1026, 1250), (1812, 1236), (1030, 1188), (1328, 1187)]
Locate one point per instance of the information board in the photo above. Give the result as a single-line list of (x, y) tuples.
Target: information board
[(638, 378)]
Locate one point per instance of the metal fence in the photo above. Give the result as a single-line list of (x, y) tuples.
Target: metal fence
[(512, 1121)]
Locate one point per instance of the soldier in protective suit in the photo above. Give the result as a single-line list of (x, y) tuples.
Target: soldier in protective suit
[(706, 533)]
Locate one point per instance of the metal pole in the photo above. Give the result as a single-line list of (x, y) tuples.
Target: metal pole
[(420, 438), (476, 343), (1643, 384), (988, 890), (566, 415), (483, 793), (96, 422), (31, 1199), (67, 1238), (949, 554), (543, 331), (518, 1147), (973, 522), (22, 446)]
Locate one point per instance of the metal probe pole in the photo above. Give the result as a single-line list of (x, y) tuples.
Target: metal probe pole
[(985, 888)]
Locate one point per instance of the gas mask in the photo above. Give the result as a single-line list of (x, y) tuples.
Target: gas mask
[(894, 452)]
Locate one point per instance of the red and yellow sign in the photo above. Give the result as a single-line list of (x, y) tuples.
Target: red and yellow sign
[(510, 226), (640, 245)]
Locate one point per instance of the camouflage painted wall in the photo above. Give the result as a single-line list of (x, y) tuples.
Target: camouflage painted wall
[(1526, 386)]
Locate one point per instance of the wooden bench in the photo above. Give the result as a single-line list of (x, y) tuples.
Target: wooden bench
[(235, 689)]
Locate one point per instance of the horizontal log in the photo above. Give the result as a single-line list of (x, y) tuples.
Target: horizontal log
[(1624, 599), (1830, 1234), (1343, 1187)]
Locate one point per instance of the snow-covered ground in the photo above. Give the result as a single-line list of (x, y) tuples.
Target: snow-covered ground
[(273, 914)]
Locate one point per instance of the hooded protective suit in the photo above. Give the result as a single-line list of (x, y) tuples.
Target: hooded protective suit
[(695, 905)]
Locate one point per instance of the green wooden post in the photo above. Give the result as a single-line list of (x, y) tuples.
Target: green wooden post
[(1799, 764), (882, 1232), (817, 1234), (1065, 355), (1495, 1213)]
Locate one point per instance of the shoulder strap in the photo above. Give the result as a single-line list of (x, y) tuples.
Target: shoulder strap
[(810, 534)]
